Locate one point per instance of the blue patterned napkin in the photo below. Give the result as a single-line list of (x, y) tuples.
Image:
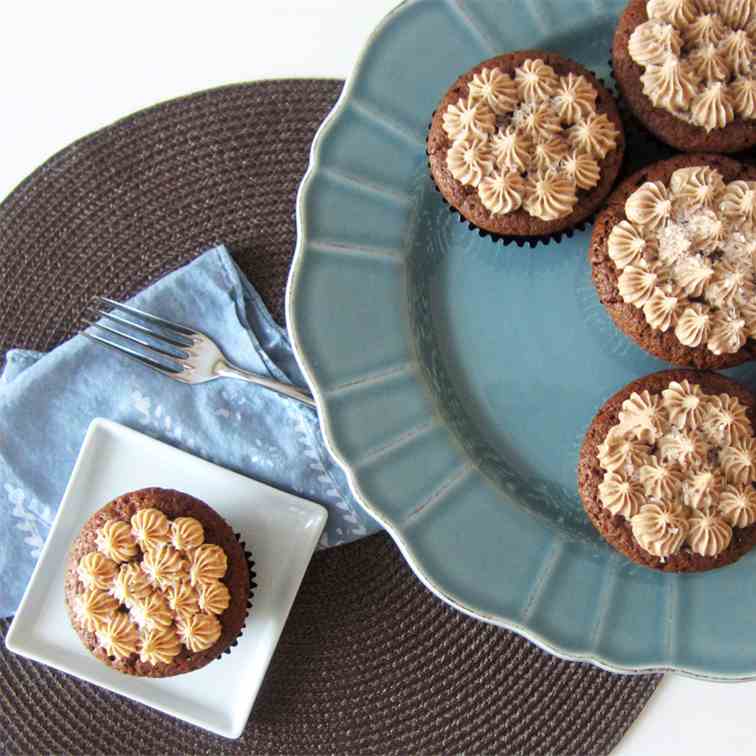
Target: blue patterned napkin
[(47, 402)]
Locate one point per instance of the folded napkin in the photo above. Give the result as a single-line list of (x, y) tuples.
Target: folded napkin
[(47, 402)]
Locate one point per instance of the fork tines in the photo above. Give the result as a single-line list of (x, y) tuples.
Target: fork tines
[(159, 343)]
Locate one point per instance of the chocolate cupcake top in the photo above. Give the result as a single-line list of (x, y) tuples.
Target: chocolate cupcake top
[(151, 587), (679, 466), (532, 140), (697, 59), (687, 255)]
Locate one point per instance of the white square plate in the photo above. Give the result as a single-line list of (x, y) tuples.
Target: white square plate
[(281, 531)]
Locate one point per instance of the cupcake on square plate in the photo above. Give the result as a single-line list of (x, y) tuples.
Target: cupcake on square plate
[(673, 258), (157, 584), (667, 471), (686, 70), (525, 146)]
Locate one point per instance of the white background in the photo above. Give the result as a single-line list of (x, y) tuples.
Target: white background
[(69, 68)]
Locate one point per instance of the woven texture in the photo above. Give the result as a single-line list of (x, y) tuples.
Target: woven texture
[(369, 661)]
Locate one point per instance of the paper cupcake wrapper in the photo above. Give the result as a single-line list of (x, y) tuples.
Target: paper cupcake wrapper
[(250, 596)]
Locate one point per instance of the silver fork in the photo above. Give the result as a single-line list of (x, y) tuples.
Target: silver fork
[(179, 352)]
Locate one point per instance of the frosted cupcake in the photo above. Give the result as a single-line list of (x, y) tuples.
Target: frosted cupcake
[(525, 145), (686, 70)]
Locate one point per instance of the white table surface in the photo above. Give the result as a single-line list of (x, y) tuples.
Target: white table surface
[(72, 67)]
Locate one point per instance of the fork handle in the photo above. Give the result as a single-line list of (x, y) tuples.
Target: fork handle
[(224, 370)]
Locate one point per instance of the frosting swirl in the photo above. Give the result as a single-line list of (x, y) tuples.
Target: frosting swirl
[(739, 461), (209, 562), (671, 85), (198, 631), (677, 12), (582, 169), (739, 200), (684, 404), (595, 135), (494, 88), (726, 420), (713, 108), (649, 205), (735, 12), (164, 565), (683, 447), (706, 29), (737, 505), (660, 528), (114, 539), (652, 42), (160, 645), (214, 597), (182, 598), (743, 93), (539, 121), (131, 584), (549, 196), (737, 50), (472, 121), (187, 533), (151, 611), (574, 98), (150, 528), (617, 451), (693, 326), (708, 63), (627, 245), (119, 636), (640, 415), (535, 80), (549, 153), (727, 335), (660, 481), (693, 274), (661, 310), (502, 191), (94, 608), (709, 533), (512, 149), (636, 285), (469, 161), (696, 186), (95, 570)]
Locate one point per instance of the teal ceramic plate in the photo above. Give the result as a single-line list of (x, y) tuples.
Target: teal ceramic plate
[(455, 377)]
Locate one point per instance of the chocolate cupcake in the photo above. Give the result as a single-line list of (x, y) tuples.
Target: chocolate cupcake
[(686, 70), (525, 145), (673, 258), (667, 471), (157, 584)]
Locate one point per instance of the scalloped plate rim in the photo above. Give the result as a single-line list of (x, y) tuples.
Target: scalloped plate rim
[(506, 622)]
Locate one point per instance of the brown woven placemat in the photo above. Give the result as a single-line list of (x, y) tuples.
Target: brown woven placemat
[(370, 661)]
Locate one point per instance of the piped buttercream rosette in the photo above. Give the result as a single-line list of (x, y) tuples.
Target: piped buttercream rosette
[(530, 141)]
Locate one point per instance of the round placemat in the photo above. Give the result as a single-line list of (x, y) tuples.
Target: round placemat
[(370, 661)]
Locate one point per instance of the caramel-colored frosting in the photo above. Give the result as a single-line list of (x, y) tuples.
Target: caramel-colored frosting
[(214, 597), (502, 191), (697, 59), (150, 528), (182, 598), (152, 603), (159, 645), (94, 608), (709, 533), (469, 161), (95, 570), (198, 631), (114, 539), (187, 533), (686, 255), (530, 142), (131, 584), (151, 611), (164, 565), (680, 466), (495, 89), (209, 562), (119, 636)]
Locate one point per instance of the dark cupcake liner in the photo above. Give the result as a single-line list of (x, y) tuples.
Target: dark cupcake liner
[(250, 595), (535, 240)]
